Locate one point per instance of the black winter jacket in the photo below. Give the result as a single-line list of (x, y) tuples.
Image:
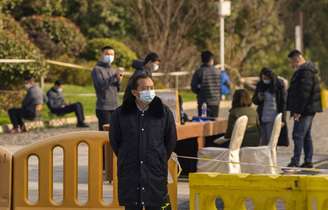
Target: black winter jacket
[(143, 143), (206, 84), (304, 92), (281, 100)]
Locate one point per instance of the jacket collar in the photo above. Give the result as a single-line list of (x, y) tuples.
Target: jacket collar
[(156, 107), (103, 64)]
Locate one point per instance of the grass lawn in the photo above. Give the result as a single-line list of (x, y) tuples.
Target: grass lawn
[(74, 93)]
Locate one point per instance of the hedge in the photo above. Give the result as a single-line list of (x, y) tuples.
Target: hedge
[(15, 45), (124, 55), (54, 36)]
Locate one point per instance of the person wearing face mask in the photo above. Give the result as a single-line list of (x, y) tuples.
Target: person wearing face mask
[(106, 82), (270, 98), (56, 104), (206, 85), (148, 66), (32, 99), (143, 136), (304, 101)]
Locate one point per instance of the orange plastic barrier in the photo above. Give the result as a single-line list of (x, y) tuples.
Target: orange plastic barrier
[(5, 179), (44, 150), (69, 143)]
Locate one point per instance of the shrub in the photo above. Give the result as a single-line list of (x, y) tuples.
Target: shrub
[(15, 45), (124, 55), (69, 75), (55, 36), (9, 99)]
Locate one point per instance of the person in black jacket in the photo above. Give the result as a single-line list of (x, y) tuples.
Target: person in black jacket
[(206, 84), (304, 101), (148, 66), (270, 97), (143, 136), (57, 105)]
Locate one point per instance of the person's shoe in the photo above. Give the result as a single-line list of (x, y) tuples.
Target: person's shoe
[(23, 129), (292, 165), (14, 130), (307, 165), (82, 125)]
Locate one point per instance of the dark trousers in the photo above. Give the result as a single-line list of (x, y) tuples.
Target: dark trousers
[(17, 115), (212, 111), (303, 139), (103, 118), (77, 108)]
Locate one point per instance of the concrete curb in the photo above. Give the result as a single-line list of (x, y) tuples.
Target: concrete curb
[(56, 122)]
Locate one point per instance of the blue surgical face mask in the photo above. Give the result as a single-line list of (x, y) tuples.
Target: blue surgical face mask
[(147, 96), (267, 82), (108, 59)]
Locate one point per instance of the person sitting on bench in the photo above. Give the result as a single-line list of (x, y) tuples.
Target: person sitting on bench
[(57, 105), (31, 106)]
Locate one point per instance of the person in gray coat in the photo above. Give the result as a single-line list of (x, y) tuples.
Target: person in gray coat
[(106, 82), (32, 99), (57, 105)]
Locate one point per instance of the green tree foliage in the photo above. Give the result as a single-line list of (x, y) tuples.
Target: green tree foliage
[(15, 45), (124, 55), (96, 18), (252, 32), (55, 36), (24, 8)]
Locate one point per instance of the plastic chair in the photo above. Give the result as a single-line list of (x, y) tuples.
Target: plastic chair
[(230, 154), (263, 155)]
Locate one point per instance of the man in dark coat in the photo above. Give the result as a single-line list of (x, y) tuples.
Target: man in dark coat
[(143, 136), (206, 84), (270, 84), (304, 101), (148, 66)]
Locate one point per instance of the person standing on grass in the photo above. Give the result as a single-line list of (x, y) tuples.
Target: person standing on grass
[(206, 84), (57, 105), (29, 110), (143, 136), (106, 82), (304, 101)]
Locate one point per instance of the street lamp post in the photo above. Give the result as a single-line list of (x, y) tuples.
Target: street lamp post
[(224, 10)]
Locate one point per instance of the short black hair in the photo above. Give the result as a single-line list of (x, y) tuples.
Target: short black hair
[(294, 53), (28, 78), (207, 56), (151, 57), (59, 82), (135, 80), (107, 48)]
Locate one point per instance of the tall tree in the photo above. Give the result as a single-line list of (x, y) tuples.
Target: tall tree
[(166, 27), (253, 29), (96, 18)]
